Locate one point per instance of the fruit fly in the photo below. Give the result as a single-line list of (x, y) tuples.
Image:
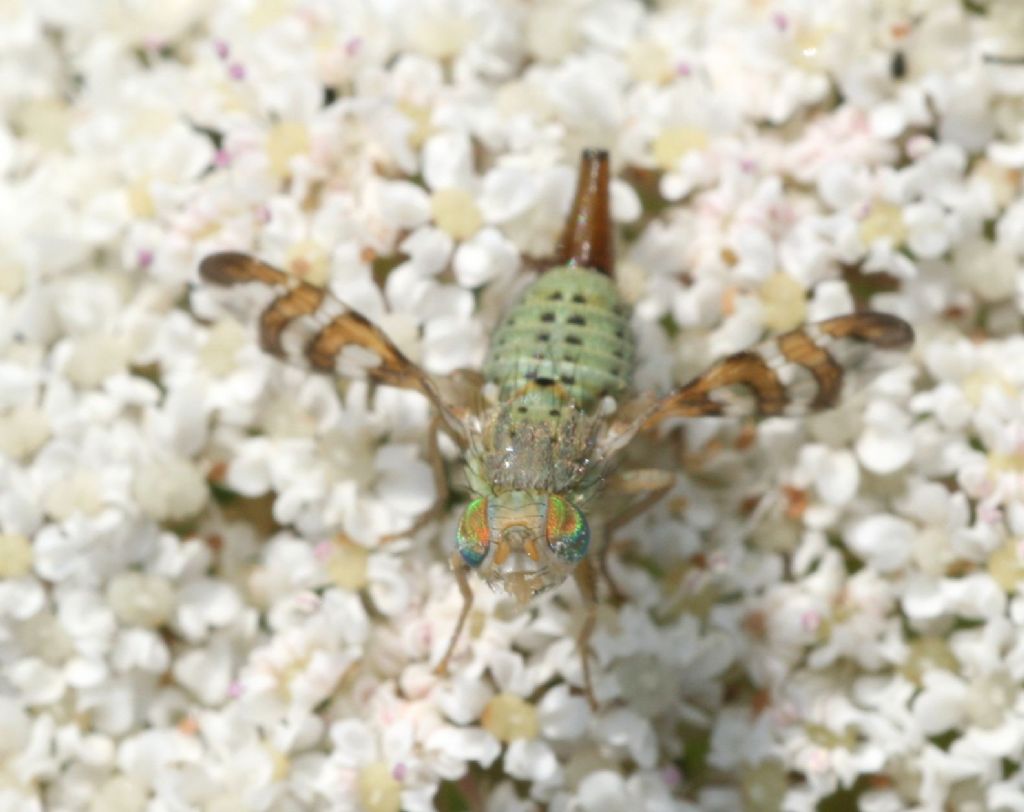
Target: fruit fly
[(543, 446)]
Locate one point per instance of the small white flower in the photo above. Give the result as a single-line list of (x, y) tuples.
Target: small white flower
[(358, 746), (604, 790)]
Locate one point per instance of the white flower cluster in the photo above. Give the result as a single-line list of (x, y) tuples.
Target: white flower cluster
[(199, 605)]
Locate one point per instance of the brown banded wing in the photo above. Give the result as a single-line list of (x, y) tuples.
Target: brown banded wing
[(307, 326), (793, 374)]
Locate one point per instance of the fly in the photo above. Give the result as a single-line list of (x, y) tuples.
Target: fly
[(540, 455)]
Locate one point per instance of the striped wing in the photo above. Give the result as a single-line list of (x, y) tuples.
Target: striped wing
[(307, 326), (793, 374)]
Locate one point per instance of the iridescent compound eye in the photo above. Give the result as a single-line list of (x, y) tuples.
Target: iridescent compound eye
[(568, 534), (473, 537)]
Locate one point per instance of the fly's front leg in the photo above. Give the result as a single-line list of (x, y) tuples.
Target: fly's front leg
[(644, 487), (460, 570), (440, 486), (586, 580)]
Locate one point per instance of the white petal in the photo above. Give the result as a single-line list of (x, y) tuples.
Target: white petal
[(563, 715), (462, 699), (429, 249), (507, 193), (887, 120), (484, 257), (836, 475), (623, 728), (354, 742), (625, 203), (928, 234), (465, 744), (882, 540), (885, 450), (403, 204), (448, 161), (389, 585), (602, 791), (205, 672), (530, 761), (940, 706), (14, 726)]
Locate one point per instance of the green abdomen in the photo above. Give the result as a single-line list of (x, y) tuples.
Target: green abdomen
[(569, 337)]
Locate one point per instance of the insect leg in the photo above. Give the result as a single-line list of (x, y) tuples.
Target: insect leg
[(460, 570), (586, 580), (648, 485), (440, 485)]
